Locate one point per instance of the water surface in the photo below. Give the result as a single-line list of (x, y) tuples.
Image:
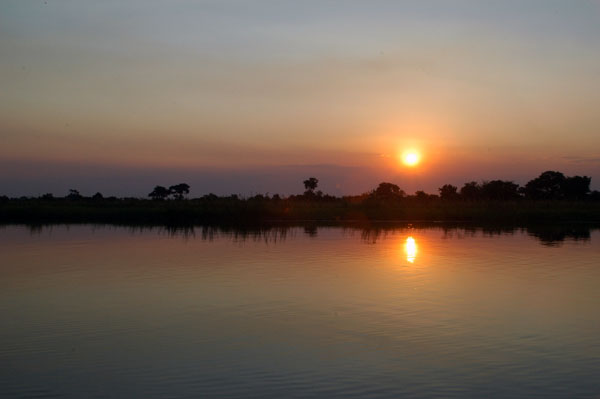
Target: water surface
[(118, 312)]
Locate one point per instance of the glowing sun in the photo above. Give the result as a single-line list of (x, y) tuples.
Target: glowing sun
[(411, 158)]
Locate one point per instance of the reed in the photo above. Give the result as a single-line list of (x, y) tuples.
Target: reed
[(253, 210)]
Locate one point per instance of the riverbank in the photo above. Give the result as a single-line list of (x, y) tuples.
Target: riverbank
[(237, 211)]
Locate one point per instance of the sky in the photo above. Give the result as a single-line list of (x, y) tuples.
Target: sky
[(251, 97)]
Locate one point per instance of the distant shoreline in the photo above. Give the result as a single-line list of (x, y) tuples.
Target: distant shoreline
[(232, 210)]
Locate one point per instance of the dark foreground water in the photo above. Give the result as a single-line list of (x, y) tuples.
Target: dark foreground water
[(114, 312)]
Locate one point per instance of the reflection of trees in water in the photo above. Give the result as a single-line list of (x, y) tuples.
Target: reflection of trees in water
[(372, 234), (548, 235), (311, 230), (553, 236), (268, 234), (461, 232), (37, 229), (238, 234)]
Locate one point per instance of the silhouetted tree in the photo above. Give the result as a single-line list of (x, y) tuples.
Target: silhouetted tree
[(74, 195), (448, 192), (179, 190), (500, 190), (3, 198), (471, 191), (386, 191), (258, 197), (549, 185), (47, 197), (97, 196), (421, 195), (576, 187), (310, 184), (159, 193)]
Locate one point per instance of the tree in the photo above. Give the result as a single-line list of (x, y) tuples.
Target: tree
[(209, 197), (448, 192), (471, 191), (554, 185), (421, 195), (576, 187), (97, 196), (549, 185), (386, 191), (179, 190), (159, 193), (74, 195), (310, 184), (500, 190)]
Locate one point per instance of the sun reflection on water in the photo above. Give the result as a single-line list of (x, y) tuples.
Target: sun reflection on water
[(410, 248)]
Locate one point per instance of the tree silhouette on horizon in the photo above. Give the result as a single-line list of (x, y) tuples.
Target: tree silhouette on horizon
[(311, 184), (179, 190), (159, 193), (471, 191), (74, 195), (387, 190), (548, 185), (448, 192)]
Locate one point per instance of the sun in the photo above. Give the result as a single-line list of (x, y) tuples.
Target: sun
[(411, 158)]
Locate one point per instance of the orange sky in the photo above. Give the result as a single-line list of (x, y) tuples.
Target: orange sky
[(210, 91)]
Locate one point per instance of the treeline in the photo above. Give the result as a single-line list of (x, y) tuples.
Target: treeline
[(549, 185), (550, 197)]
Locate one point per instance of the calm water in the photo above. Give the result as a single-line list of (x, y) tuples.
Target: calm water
[(304, 312)]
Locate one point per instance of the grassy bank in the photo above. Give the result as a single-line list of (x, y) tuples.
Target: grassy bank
[(233, 210)]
